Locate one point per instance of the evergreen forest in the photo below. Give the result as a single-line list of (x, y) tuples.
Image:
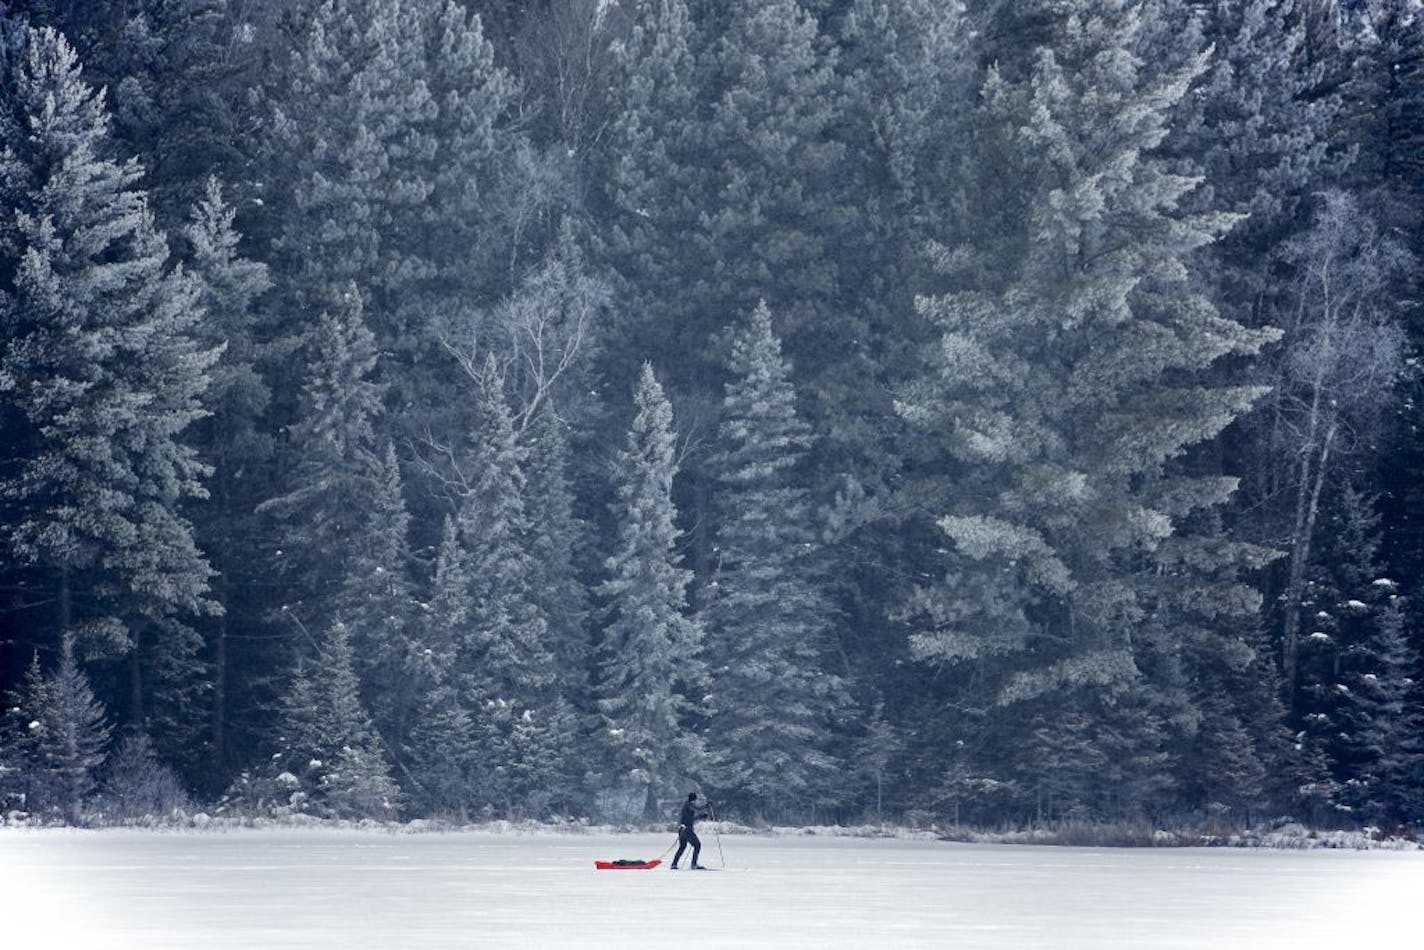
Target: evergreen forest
[(995, 413)]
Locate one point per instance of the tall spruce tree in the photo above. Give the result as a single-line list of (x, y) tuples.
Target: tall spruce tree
[(325, 739), (648, 669), (177, 74), (232, 439), (723, 141), (775, 699), (724, 189), (100, 374), (556, 539), (1386, 100), (653, 183), (25, 785), (296, 736), (1262, 128), (906, 72), (442, 749), (376, 602), (1070, 377), (1357, 701), (1389, 714), (357, 782), (776, 214), (507, 634), (386, 165), (347, 139), (906, 77), (441, 756), (1340, 609), (73, 735), (341, 523), (507, 676), (322, 518)]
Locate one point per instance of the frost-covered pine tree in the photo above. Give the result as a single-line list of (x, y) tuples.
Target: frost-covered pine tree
[(232, 439), (506, 640), (344, 720), (905, 75), (451, 603), (647, 655), (347, 135), (342, 526), (903, 62), (100, 374), (777, 215), (72, 736), (506, 674), (376, 602), (1262, 125), (24, 784), (651, 175), (1222, 775), (1389, 716), (359, 784), (556, 538), (443, 750), (323, 517), (328, 750), (1386, 96), (1357, 710), (174, 70), (386, 166), (485, 181), (722, 151), (1340, 609), (774, 698), (296, 761), (1070, 376), (441, 755)]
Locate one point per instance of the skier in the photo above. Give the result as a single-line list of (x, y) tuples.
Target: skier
[(691, 811)]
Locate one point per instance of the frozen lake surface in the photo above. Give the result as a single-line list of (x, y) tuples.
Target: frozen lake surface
[(369, 889)]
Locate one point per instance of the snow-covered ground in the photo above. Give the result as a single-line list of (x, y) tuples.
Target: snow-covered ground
[(318, 888)]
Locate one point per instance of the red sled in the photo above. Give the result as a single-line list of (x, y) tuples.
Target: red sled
[(623, 864)]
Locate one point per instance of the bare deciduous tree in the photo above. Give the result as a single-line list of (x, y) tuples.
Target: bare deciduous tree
[(567, 51), (524, 347), (535, 335), (1342, 354)]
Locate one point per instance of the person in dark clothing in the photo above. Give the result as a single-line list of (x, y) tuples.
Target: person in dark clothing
[(686, 835)]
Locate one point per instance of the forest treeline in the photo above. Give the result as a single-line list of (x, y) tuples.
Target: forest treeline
[(992, 412)]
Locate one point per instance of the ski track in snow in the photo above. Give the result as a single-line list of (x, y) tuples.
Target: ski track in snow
[(361, 890)]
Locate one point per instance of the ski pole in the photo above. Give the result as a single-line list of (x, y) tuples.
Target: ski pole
[(717, 834)]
